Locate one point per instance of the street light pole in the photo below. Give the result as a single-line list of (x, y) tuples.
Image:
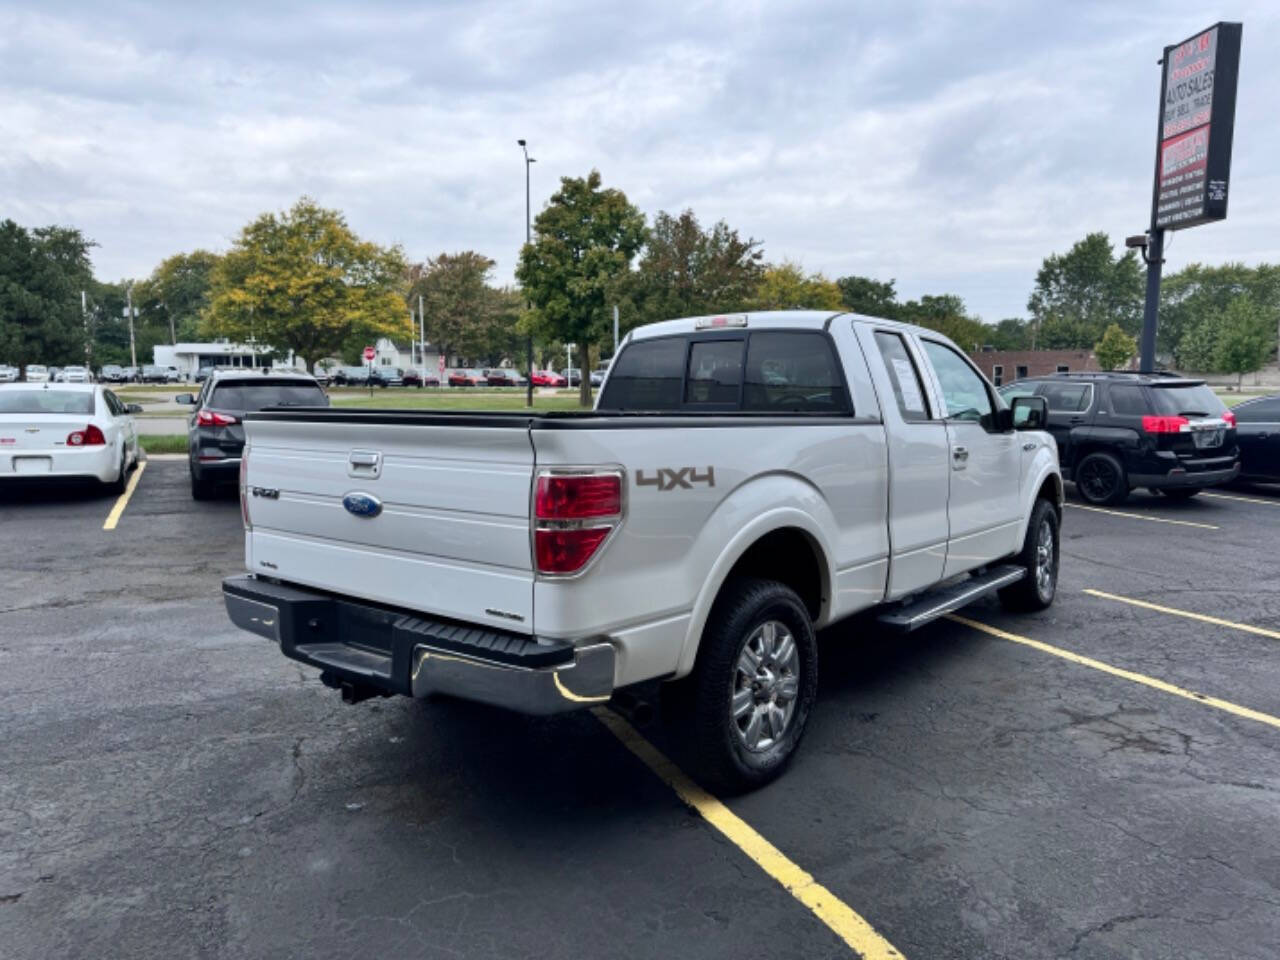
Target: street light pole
[(528, 238)]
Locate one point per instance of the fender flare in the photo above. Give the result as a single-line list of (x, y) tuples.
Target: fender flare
[(1048, 472), (777, 518)]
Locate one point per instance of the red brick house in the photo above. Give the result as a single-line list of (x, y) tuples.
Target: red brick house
[(1006, 366)]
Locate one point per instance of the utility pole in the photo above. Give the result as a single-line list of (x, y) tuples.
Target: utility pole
[(88, 341), (133, 349), (422, 345), (615, 331), (528, 238)]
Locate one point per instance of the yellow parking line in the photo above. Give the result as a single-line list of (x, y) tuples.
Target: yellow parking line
[(123, 500), (1232, 496), (1143, 516), (1143, 679), (1203, 618), (856, 932)]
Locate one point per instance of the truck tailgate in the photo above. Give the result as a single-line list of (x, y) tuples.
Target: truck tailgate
[(435, 519)]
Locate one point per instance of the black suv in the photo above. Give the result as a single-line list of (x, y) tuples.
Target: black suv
[(215, 433), (1119, 431)]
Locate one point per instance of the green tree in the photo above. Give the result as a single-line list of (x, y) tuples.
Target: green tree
[(303, 281), (42, 273), (1011, 333), (686, 271), (1080, 293), (584, 241), (1115, 349), (1246, 338), (1198, 291), (176, 294), (874, 298), (946, 313), (785, 286)]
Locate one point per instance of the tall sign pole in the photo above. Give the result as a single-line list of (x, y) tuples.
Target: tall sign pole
[(1193, 151)]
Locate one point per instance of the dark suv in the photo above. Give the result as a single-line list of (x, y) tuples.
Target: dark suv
[(215, 433), (1119, 431)]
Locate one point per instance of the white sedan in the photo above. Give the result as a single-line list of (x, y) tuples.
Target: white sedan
[(66, 430), (74, 375)]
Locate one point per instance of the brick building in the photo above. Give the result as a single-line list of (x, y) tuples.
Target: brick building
[(1006, 366)]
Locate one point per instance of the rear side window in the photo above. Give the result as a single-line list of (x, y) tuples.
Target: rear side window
[(1128, 401), (1068, 397), (1194, 401), (647, 376), (46, 401), (907, 387), (793, 373), (259, 396), (715, 372)]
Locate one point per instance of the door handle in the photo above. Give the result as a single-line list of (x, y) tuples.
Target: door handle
[(959, 454), (1076, 420)]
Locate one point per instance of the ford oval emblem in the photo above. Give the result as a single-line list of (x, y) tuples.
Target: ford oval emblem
[(362, 504)]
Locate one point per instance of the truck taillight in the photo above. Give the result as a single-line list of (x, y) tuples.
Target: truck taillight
[(1164, 424), (90, 436), (244, 490), (208, 418), (574, 512)]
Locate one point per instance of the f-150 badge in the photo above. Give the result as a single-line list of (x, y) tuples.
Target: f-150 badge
[(671, 478)]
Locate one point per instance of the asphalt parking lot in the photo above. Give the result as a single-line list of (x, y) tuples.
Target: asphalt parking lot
[(1097, 781)]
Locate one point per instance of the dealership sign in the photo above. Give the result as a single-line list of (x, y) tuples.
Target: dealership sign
[(1197, 117)]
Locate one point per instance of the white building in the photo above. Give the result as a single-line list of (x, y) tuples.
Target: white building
[(190, 357), (406, 355)]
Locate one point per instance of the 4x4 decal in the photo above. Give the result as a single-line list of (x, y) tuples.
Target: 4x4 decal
[(670, 478)]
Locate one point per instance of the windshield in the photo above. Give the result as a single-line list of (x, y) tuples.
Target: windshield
[(36, 368), (46, 401), (1188, 401), (258, 396)]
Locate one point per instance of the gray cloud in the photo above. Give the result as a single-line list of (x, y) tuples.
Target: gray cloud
[(951, 147)]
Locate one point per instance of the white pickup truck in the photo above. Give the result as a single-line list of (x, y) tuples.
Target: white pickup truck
[(742, 481)]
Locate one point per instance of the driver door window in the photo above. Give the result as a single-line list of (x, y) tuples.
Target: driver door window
[(964, 392)]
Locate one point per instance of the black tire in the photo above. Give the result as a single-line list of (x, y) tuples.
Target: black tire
[(201, 488), (1101, 480), (1037, 589), (116, 487), (1181, 493), (705, 698)]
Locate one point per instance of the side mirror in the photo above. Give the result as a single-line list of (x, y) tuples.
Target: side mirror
[(134, 408), (1029, 413), (186, 398)]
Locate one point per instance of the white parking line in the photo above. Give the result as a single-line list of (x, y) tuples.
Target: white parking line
[(1232, 496), (1143, 516)]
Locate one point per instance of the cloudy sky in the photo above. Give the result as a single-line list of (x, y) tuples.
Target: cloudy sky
[(947, 146)]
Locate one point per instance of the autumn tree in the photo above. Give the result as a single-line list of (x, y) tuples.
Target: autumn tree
[(303, 281), (583, 244), (1115, 349), (464, 313), (786, 286)]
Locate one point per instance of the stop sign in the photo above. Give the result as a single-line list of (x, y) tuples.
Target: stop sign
[(368, 353)]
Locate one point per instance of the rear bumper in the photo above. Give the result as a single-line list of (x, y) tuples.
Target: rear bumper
[(390, 651), (1185, 478), (65, 463)]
